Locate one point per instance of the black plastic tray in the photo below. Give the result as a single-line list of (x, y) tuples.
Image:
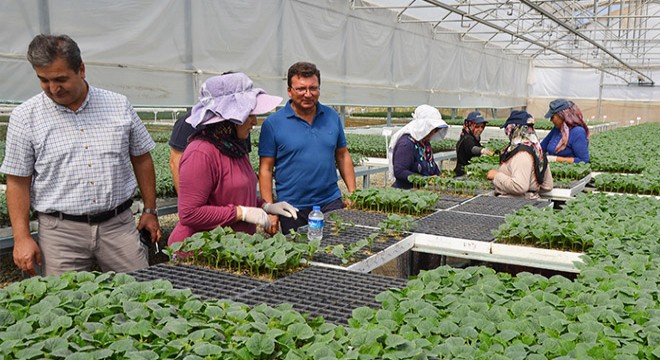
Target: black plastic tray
[(326, 292), (351, 235), (500, 206), (206, 283), (459, 225)]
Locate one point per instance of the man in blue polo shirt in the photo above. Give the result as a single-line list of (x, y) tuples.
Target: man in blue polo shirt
[(303, 144)]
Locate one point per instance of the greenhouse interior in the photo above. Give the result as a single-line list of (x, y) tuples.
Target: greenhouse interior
[(459, 260)]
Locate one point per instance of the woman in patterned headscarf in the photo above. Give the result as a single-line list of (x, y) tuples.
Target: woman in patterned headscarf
[(568, 141), (523, 169), (469, 144), (217, 185), (410, 150)]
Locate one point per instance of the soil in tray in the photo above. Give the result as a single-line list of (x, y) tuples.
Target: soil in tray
[(459, 225), (351, 235), (204, 282), (500, 206), (330, 293)]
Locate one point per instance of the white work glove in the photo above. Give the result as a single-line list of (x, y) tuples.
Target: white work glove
[(282, 208), (255, 215), (487, 151), (552, 158)]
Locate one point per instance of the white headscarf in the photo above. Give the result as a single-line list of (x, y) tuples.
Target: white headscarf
[(425, 119)]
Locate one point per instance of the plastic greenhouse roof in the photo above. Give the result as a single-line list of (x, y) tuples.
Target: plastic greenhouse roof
[(621, 38)]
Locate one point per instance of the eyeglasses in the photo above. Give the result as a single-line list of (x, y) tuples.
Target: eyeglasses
[(303, 90)]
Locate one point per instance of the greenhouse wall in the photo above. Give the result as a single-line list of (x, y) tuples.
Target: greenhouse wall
[(159, 52)]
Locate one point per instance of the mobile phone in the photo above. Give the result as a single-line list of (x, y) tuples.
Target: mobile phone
[(145, 237)]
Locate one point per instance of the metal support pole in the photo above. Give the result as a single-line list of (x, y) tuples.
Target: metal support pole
[(600, 96), (44, 17), (342, 115), (389, 116)]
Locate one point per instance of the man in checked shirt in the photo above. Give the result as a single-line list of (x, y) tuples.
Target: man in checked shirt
[(74, 153)]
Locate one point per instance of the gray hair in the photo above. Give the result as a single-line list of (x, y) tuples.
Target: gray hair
[(45, 49)]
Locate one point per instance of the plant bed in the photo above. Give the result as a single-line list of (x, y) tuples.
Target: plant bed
[(253, 255), (358, 217), (499, 206), (576, 187), (458, 225), (207, 283), (447, 185), (448, 201), (392, 200), (330, 293), (350, 244), (582, 222)]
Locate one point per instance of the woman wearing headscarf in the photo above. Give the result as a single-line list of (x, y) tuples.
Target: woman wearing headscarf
[(568, 141), (469, 144), (217, 184), (410, 149), (523, 169)]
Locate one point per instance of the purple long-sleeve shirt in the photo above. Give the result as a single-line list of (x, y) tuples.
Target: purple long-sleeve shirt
[(211, 185), (406, 161)]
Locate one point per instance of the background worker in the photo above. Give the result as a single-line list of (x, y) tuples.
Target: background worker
[(469, 144), (568, 141), (410, 149), (524, 170)]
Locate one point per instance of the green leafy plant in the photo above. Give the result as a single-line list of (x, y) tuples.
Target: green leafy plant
[(338, 224), (393, 200), (240, 252), (396, 224)]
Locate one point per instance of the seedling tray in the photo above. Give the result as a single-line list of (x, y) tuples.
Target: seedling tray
[(326, 292), (350, 236), (206, 283), (500, 206), (358, 217), (459, 225), (560, 193)]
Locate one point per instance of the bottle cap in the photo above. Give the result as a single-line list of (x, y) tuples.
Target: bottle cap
[(316, 208)]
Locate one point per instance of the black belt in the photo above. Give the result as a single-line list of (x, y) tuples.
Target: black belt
[(94, 218)]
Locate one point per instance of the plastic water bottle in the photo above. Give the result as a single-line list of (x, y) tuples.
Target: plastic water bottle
[(315, 224)]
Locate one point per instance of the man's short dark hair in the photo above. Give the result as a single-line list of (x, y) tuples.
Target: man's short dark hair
[(302, 69), (45, 49)]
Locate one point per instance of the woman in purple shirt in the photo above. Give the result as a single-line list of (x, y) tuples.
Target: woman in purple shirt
[(217, 185), (410, 150), (568, 141)]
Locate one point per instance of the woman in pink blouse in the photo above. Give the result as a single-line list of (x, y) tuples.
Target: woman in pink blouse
[(217, 185)]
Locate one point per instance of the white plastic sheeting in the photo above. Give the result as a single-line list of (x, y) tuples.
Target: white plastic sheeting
[(159, 52), (578, 83)]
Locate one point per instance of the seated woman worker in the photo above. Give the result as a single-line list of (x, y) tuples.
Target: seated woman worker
[(410, 149), (524, 170), (568, 141), (469, 144)]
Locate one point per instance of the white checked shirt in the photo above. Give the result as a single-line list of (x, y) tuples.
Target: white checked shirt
[(79, 161)]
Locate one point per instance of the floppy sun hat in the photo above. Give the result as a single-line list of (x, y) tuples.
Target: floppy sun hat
[(230, 97)]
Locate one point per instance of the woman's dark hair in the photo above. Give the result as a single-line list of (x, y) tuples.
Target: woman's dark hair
[(302, 69), (45, 49)]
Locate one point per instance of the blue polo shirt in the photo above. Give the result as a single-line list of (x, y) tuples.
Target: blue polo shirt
[(305, 166)]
